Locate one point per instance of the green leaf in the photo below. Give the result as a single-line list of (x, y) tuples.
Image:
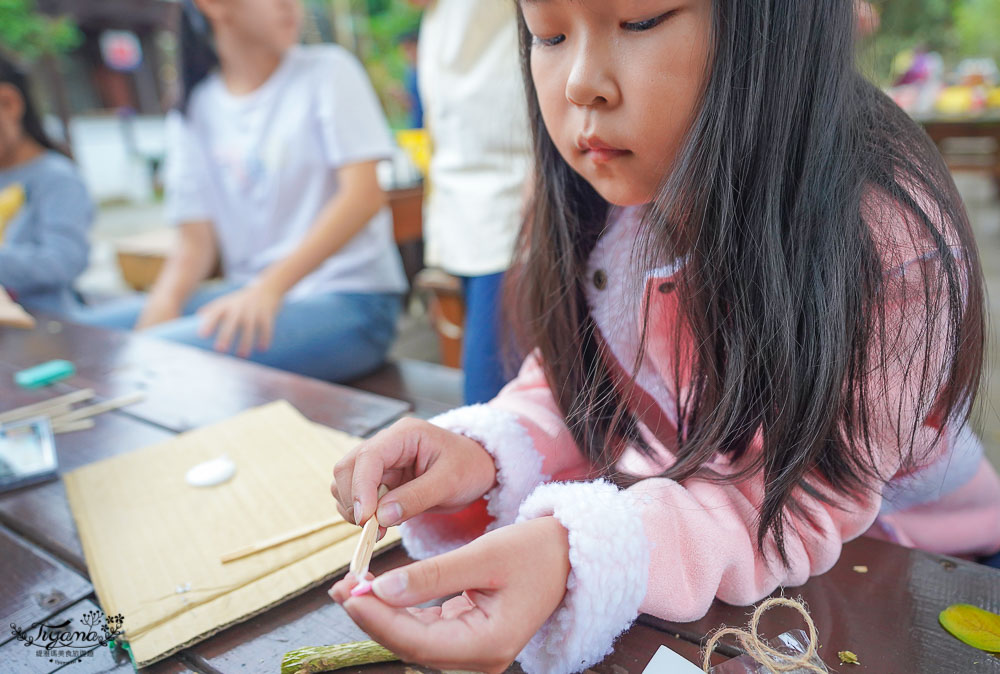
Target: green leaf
[(973, 626)]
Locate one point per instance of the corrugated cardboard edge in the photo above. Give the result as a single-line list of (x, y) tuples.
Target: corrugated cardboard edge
[(291, 595)]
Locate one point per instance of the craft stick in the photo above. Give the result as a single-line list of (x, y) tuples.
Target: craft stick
[(70, 426), (44, 407), (366, 544), (280, 540), (100, 408)]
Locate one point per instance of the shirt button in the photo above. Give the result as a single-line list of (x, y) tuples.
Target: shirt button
[(600, 279)]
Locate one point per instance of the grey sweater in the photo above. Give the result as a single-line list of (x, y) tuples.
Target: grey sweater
[(45, 247)]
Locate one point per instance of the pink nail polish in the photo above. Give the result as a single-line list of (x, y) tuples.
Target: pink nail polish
[(364, 587)]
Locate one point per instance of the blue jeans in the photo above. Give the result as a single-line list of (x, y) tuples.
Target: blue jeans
[(482, 346), (333, 336)]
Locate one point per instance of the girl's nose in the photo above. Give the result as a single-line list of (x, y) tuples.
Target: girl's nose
[(591, 81)]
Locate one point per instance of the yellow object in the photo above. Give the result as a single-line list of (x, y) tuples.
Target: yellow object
[(955, 100), (11, 201), (993, 98), (153, 543), (417, 145), (973, 626)]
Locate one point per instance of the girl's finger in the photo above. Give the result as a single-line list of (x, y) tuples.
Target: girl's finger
[(445, 644), (451, 573), (342, 472), (341, 590), (413, 497)]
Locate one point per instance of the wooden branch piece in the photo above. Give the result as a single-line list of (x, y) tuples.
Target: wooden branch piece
[(46, 408), (70, 426), (275, 541), (99, 408), (366, 544)]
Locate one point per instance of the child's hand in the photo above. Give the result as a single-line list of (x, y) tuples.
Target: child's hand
[(246, 314), (511, 579), (426, 468)]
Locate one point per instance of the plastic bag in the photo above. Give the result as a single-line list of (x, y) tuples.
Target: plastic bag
[(793, 642)]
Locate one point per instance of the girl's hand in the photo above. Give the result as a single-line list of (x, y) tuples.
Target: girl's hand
[(511, 579), (246, 313), (426, 468)]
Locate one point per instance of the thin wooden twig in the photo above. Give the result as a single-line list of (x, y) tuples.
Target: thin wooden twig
[(46, 407), (281, 539), (366, 544), (100, 408)]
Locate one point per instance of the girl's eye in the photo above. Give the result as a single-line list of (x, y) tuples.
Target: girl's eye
[(548, 41), (639, 26)]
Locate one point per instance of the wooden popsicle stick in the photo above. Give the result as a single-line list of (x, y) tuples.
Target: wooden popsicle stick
[(70, 426), (366, 544), (281, 540), (100, 408), (45, 407)]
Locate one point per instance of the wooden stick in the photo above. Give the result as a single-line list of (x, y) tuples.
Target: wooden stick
[(70, 426), (366, 544), (100, 408), (46, 406), (281, 540)]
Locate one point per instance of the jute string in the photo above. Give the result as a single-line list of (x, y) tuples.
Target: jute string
[(759, 650)]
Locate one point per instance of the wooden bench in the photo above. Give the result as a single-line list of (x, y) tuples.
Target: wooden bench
[(430, 388)]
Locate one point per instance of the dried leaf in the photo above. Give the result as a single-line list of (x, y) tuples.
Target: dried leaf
[(848, 658), (861, 568), (973, 626)]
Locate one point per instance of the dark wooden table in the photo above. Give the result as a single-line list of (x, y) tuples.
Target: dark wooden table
[(887, 616)]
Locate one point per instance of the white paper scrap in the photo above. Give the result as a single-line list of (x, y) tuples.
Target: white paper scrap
[(666, 661)]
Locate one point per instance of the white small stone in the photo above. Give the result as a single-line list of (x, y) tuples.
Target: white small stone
[(211, 473)]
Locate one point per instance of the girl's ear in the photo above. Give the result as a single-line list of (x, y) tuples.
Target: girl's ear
[(11, 103)]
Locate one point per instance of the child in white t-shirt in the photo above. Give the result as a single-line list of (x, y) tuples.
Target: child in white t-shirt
[(271, 173)]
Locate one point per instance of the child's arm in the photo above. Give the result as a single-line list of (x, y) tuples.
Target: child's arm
[(59, 249), (668, 548), (248, 314), (192, 260), (523, 430)]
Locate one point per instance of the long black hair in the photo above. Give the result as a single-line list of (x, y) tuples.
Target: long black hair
[(787, 200), (197, 51), (12, 74)]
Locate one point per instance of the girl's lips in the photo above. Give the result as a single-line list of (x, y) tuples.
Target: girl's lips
[(599, 151), (604, 156)]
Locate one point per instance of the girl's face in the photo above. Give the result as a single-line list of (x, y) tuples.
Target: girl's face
[(618, 84), (271, 24)]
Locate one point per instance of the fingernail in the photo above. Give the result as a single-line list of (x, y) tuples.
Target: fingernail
[(391, 585), (389, 514), (357, 512)]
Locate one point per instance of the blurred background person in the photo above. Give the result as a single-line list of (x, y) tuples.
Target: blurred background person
[(473, 103), (271, 174), (45, 210)]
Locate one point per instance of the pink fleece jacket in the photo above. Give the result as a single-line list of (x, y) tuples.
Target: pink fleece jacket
[(667, 548)]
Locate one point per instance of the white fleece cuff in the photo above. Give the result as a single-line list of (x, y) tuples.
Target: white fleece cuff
[(519, 470), (609, 560)]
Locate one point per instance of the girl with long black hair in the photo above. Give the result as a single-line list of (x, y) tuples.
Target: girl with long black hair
[(47, 213), (754, 312)]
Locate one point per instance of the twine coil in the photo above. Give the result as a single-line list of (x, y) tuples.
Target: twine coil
[(759, 650)]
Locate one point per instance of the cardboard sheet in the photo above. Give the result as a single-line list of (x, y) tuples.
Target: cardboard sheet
[(153, 543)]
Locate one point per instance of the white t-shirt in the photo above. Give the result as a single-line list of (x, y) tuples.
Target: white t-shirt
[(475, 109), (260, 167)]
